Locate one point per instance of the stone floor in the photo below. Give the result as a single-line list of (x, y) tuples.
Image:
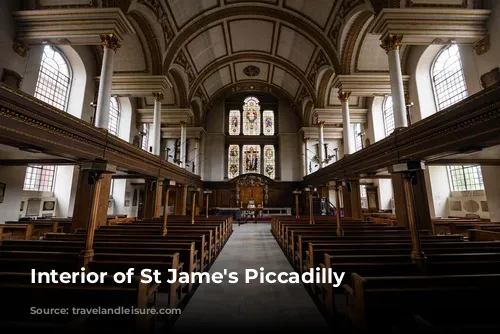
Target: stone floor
[(250, 307)]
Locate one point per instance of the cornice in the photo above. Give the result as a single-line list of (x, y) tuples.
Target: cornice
[(76, 26)]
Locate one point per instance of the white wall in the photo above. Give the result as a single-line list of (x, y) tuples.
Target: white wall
[(492, 189)]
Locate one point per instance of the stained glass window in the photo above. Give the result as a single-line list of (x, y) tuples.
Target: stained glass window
[(54, 78), (251, 117), (234, 122), (269, 166), (114, 116), (251, 156), (268, 122), (233, 161)]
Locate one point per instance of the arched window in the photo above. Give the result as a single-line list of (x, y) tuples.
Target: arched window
[(114, 116), (358, 134), (448, 81), (251, 117), (388, 114), (54, 78), (52, 87), (246, 156), (448, 78)]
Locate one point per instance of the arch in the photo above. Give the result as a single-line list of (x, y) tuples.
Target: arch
[(246, 10), (179, 88), (290, 68), (150, 40), (323, 88)]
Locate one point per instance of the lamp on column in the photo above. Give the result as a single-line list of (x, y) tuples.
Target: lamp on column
[(207, 193), (94, 106), (194, 190), (297, 192), (408, 112)]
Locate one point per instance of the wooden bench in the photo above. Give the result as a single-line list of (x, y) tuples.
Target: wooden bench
[(402, 265), (201, 246), (22, 296), (383, 303)]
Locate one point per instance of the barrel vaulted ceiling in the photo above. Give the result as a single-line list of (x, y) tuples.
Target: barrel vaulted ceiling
[(212, 48)]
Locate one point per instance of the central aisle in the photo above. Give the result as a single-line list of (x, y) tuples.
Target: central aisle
[(250, 307)]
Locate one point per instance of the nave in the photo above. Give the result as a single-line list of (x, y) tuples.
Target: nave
[(252, 307)]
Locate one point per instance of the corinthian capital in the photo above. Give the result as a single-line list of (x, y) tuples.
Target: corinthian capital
[(158, 96), (110, 42), (392, 42), (344, 96)]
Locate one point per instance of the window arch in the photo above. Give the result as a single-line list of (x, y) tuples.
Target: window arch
[(114, 116), (54, 78), (448, 78), (388, 114)]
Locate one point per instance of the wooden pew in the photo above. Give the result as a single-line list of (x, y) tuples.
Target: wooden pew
[(291, 243), (454, 301), (402, 265), (304, 240), (20, 295), (483, 235), (24, 231), (152, 230), (187, 252), (201, 246)]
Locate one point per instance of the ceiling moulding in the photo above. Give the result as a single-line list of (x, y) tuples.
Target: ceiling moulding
[(168, 116), (139, 85), (334, 116), (328, 133), (424, 26), (77, 26), (175, 132), (367, 84)]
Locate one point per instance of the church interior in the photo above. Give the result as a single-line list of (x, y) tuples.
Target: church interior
[(205, 136)]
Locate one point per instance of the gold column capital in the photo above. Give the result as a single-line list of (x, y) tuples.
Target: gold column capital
[(392, 42), (344, 96), (158, 96), (306, 139), (20, 48), (183, 123), (110, 41), (321, 124)]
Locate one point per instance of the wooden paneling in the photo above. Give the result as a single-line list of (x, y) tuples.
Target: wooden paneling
[(224, 194)]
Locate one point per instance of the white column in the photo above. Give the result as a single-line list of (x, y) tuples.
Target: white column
[(197, 155), (306, 156), (391, 45), (157, 122), (321, 146), (183, 157), (347, 130), (111, 44)]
